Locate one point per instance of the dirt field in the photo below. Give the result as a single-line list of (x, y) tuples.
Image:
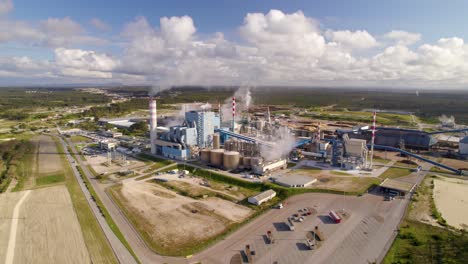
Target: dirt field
[(343, 183), (48, 158), (7, 203), (457, 164), (48, 230), (451, 200), (187, 222)]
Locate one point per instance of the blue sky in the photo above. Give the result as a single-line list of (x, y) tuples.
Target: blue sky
[(402, 38), (434, 19)]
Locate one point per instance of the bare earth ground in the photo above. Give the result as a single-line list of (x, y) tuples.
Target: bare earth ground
[(48, 230), (455, 163), (49, 160), (7, 204), (173, 221), (450, 196)]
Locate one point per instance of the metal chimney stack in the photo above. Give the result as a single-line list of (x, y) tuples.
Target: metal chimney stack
[(153, 124)]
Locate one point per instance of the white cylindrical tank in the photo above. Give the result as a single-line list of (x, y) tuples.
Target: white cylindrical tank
[(231, 160)]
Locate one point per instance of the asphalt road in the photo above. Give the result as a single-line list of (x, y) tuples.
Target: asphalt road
[(121, 252)]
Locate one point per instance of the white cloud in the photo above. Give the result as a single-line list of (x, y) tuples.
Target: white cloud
[(5, 7), (275, 48), (52, 32), (99, 24), (177, 30), (282, 35), (359, 39), (403, 37)]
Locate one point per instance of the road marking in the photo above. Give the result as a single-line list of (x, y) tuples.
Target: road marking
[(14, 225)]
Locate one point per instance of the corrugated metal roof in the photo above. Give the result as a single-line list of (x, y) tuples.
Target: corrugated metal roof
[(263, 195)]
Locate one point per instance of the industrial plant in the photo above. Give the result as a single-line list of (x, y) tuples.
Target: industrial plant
[(254, 141)]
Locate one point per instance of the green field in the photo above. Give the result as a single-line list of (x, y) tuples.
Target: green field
[(50, 179), (395, 173)]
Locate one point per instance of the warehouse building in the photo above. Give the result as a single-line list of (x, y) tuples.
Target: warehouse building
[(262, 197), (295, 181)]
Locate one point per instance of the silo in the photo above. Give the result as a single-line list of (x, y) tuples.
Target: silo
[(216, 157), (246, 162), (231, 160), (216, 142), (205, 155), (241, 161)]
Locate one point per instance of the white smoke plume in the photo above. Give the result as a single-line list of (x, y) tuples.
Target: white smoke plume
[(445, 120), (154, 90), (284, 142), (243, 102), (205, 107)]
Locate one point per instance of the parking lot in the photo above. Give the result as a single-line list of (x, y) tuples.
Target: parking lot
[(360, 237)]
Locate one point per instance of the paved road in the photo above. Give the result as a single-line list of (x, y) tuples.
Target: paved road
[(121, 252)]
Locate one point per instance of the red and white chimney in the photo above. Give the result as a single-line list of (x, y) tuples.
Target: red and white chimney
[(153, 124), (233, 114)]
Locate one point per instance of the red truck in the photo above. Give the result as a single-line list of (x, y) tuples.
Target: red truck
[(335, 217)]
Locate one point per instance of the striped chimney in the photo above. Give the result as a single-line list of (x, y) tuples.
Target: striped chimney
[(153, 124), (233, 113)]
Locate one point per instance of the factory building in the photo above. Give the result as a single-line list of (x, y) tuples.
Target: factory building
[(394, 137), (175, 143), (463, 147), (204, 123)]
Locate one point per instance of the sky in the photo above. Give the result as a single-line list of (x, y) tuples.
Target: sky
[(334, 43)]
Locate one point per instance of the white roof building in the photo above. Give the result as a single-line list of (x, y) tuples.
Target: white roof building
[(262, 197)]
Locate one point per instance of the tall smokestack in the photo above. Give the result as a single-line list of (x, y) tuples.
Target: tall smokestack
[(373, 138), (268, 115), (233, 114), (220, 112), (153, 124)]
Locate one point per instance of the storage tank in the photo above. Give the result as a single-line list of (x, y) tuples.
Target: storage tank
[(216, 157), (231, 160), (246, 162), (241, 161), (216, 142), (205, 155)]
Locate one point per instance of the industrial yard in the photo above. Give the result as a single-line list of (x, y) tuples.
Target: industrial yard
[(188, 222)]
